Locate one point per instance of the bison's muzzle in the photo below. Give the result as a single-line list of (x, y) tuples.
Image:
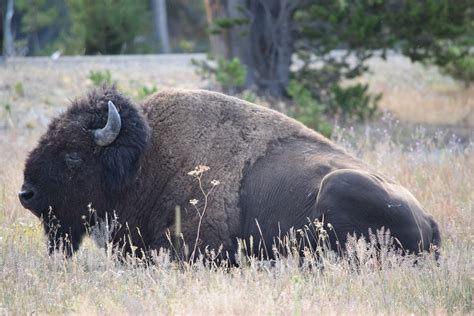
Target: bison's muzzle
[(29, 197)]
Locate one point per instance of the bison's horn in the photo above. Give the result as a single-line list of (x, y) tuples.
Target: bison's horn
[(106, 136)]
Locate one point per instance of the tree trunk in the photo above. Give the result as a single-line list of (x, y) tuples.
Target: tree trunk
[(264, 44), (8, 48), (221, 45), (271, 44), (161, 25)]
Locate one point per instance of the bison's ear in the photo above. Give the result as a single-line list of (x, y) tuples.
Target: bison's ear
[(119, 165), (120, 159)]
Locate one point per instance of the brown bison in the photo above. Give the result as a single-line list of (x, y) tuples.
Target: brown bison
[(275, 174)]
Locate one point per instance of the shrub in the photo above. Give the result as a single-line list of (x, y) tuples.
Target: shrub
[(229, 73), (460, 65), (146, 91), (248, 95), (308, 110), (19, 91), (100, 78), (107, 27), (353, 102)]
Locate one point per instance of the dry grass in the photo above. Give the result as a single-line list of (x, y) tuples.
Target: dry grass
[(420, 94), (31, 281), (439, 173)]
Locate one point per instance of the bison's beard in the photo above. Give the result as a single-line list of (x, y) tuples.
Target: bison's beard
[(64, 236)]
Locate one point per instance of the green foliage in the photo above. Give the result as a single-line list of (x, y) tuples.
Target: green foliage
[(309, 111), (436, 31), (223, 24), (145, 91), (107, 26), (19, 91), (6, 113), (462, 68), (186, 46), (37, 14), (248, 95), (425, 29), (353, 103), (42, 27), (100, 78), (230, 74), (7, 107), (187, 24), (460, 65), (336, 38), (38, 20)]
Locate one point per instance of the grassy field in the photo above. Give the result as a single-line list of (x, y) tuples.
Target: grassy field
[(430, 160)]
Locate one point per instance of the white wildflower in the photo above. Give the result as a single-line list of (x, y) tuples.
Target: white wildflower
[(192, 173), (193, 202), (202, 168), (198, 170)]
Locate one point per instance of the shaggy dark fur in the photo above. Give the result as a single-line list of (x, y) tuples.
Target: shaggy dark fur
[(272, 170), (67, 171)]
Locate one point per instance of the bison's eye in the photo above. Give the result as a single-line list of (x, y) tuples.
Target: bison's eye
[(73, 160)]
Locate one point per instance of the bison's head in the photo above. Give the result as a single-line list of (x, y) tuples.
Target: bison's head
[(88, 156)]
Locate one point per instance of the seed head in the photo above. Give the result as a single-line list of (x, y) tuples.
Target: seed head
[(198, 170)]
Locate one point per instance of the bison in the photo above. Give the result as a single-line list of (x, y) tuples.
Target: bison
[(275, 175)]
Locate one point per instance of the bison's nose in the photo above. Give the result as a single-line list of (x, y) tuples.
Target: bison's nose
[(27, 196)]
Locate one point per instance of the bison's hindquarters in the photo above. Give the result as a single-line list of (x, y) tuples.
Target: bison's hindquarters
[(354, 201)]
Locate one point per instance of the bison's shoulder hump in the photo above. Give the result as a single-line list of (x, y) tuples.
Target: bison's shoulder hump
[(198, 98), (220, 107)]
